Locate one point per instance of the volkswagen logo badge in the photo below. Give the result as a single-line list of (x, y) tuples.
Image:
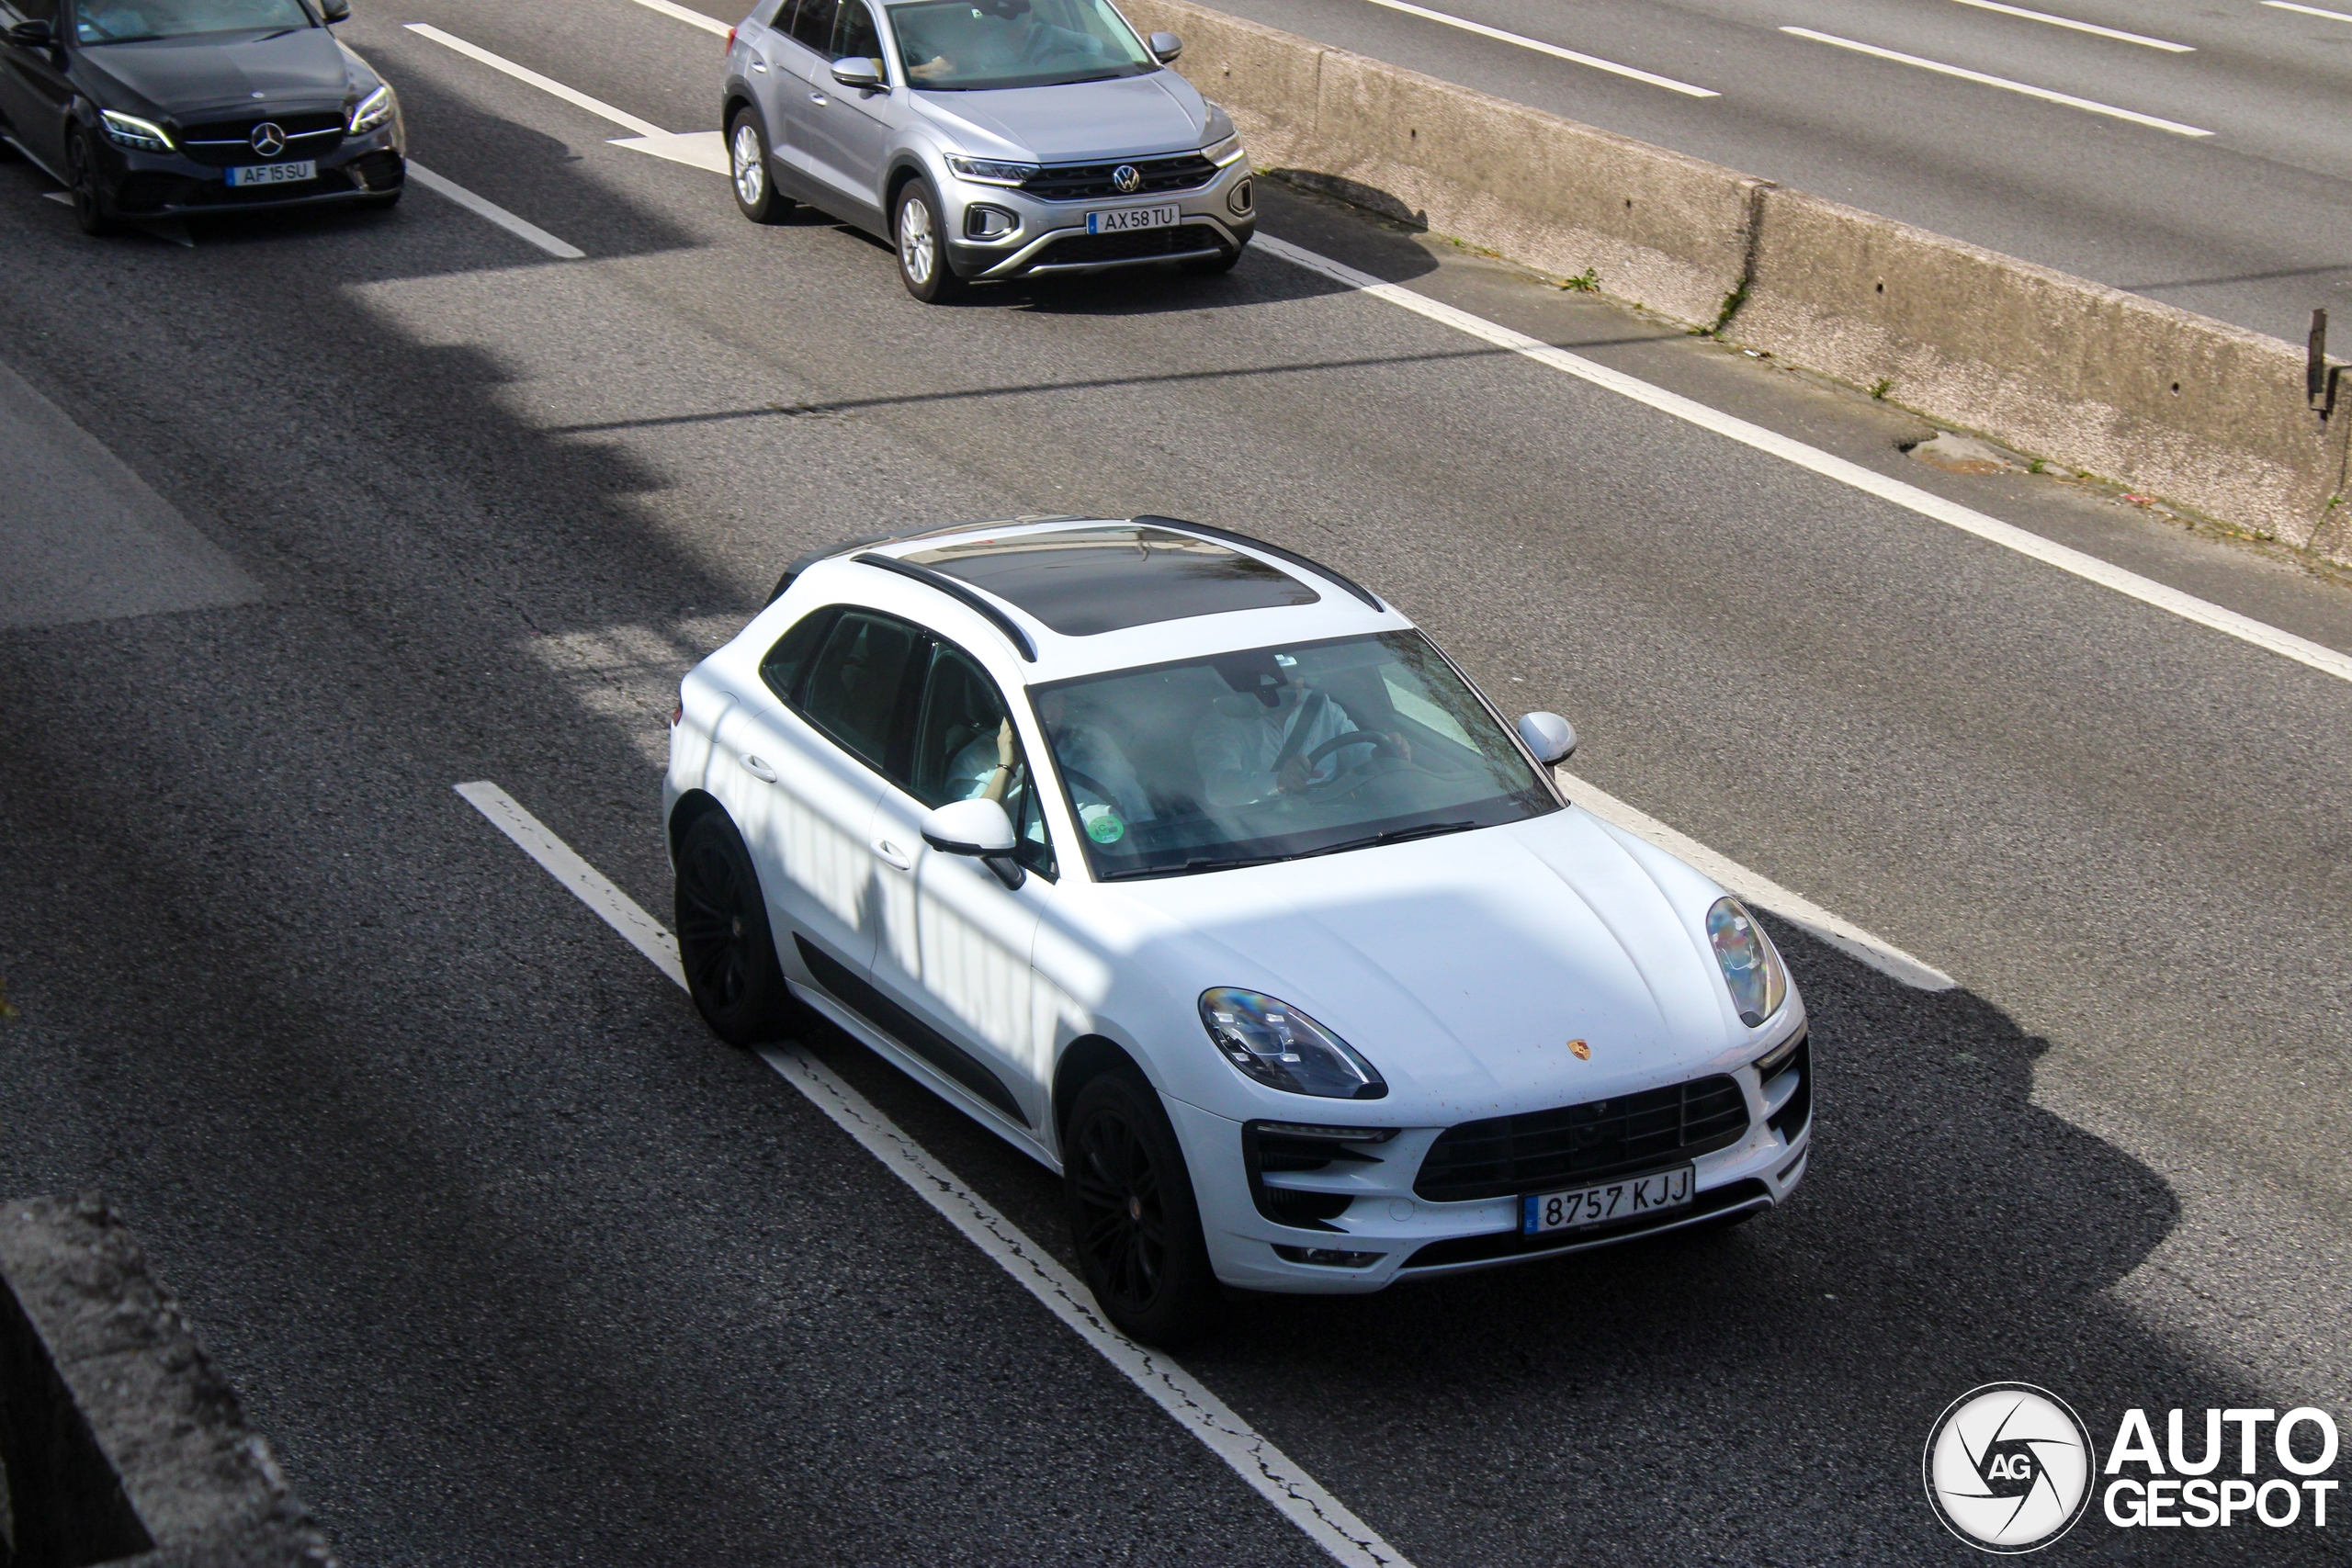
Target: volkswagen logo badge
[(268, 138), (1128, 178)]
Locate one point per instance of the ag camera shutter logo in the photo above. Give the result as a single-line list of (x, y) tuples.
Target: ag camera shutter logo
[(2009, 1467)]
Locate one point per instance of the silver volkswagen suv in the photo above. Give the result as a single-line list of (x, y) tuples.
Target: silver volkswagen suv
[(989, 139)]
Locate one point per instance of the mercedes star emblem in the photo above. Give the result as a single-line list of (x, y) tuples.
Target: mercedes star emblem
[(268, 138), (1128, 178)]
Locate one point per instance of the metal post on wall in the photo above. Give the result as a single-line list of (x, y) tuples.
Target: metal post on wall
[(2318, 377)]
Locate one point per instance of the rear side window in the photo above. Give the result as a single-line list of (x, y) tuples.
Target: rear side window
[(786, 664), (857, 686), (813, 23)]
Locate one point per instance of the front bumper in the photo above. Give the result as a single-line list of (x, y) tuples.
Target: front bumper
[(171, 185), (1414, 1239), (1049, 237)]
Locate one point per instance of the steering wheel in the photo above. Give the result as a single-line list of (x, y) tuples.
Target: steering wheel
[(1352, 738)]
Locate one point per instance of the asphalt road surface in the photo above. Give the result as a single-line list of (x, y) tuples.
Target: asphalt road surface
[(2250, 221), (517, 1264)]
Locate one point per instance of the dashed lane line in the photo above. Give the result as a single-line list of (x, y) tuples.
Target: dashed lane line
[(700, 150), (2091, 105), (1300, 1499), (483, 206), (1555, 51), (691, 19), (2067, 22), (2009, 536), (2309, 10)]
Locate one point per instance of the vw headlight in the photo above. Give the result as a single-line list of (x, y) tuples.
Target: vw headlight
[(129, 130), (1281, 1047), (990, 171), (1225, 152), (372, 111), (1751, 967)]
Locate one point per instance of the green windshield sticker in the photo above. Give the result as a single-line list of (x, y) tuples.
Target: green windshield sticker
[(1106, 830)]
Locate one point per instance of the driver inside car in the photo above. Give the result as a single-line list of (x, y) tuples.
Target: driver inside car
[(1260, 740), (1020, 38)]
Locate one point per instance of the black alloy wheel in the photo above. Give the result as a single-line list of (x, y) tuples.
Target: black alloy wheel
[(1132, 1214), (724, 943), (751, 173), (91, 208)]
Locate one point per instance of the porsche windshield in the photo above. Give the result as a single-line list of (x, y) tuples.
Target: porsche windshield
[(970, 45), (1280, 752), (137, 21)]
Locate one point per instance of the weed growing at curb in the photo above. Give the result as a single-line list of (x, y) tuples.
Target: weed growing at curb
[(1880, 387), (1731, 302), (1586, 282)]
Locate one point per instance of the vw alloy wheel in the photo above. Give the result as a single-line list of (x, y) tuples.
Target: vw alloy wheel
[(922, 259)]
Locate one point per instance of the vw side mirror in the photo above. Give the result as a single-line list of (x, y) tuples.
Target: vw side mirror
[(333, 11), (1165, 47), (977, 828), (33, 35), (1550, 737), (865, 75)]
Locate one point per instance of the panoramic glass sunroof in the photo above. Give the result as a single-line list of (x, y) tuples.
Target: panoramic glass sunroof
[(1085, 580)]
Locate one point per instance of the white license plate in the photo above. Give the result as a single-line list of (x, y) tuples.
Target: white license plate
[(1127, 218), (275, 174), (1620, 1200)]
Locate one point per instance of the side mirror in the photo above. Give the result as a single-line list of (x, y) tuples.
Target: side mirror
[(979, 829), (1165, 47), (333, 11), (1550, 737), (33, 35), (864, 74)]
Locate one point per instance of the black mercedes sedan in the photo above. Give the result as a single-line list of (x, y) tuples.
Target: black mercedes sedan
[(156, 108)]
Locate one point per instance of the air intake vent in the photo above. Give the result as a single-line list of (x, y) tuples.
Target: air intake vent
[(1507, 1154)]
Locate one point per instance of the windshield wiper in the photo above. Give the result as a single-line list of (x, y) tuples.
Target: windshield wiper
[(1391, 836), (1197, 864)]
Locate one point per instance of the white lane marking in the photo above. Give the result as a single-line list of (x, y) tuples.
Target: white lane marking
[(65, 196), (691, 19), (2162, 596), (696, 148), (544, 84), (2037, 17), (2308, 10), (1553, 50), (1322, 1517), (520, 227), (2088, 104), (1762, 891), (619, 910)]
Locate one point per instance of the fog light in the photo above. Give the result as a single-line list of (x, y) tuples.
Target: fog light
[(1238, 198), (989, 222), (1327, 1257)]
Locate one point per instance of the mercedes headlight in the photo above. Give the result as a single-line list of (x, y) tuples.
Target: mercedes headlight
[(990, 171), (129, 130), (1751, 967), (1225, 152), (371, 111), (1281, 1047)]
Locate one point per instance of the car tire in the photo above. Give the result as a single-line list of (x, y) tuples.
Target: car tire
[(724, 943), (1224, 261), (750, 172), (921, 242), (92, 210), (1133, 1218)]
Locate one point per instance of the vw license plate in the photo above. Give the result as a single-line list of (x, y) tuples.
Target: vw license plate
[(1127, 218), (275, 174), (1620, 1200)]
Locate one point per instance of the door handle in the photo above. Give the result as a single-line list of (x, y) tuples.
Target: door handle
[(761, 66), (758, 769), (893, 854), (816, 98)]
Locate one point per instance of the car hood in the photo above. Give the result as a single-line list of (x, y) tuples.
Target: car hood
[(1465, 966), (191, 78), (1129, 116)]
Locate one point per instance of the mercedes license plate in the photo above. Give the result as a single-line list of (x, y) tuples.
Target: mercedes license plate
[(1121, 219), (275, 174), (1620, 1200)]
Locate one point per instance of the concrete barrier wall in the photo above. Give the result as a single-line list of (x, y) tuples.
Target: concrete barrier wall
[(2062, 368)]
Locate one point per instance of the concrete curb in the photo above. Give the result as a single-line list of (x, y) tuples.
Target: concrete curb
[(121, 1441), (2081, 375)]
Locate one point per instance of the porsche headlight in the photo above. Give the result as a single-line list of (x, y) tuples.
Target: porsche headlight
[(1281, 1047), (129, 130), (1751, 967), (371, 111)]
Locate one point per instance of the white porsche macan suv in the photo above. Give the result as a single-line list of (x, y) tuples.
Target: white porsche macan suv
[(1194, 871)]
